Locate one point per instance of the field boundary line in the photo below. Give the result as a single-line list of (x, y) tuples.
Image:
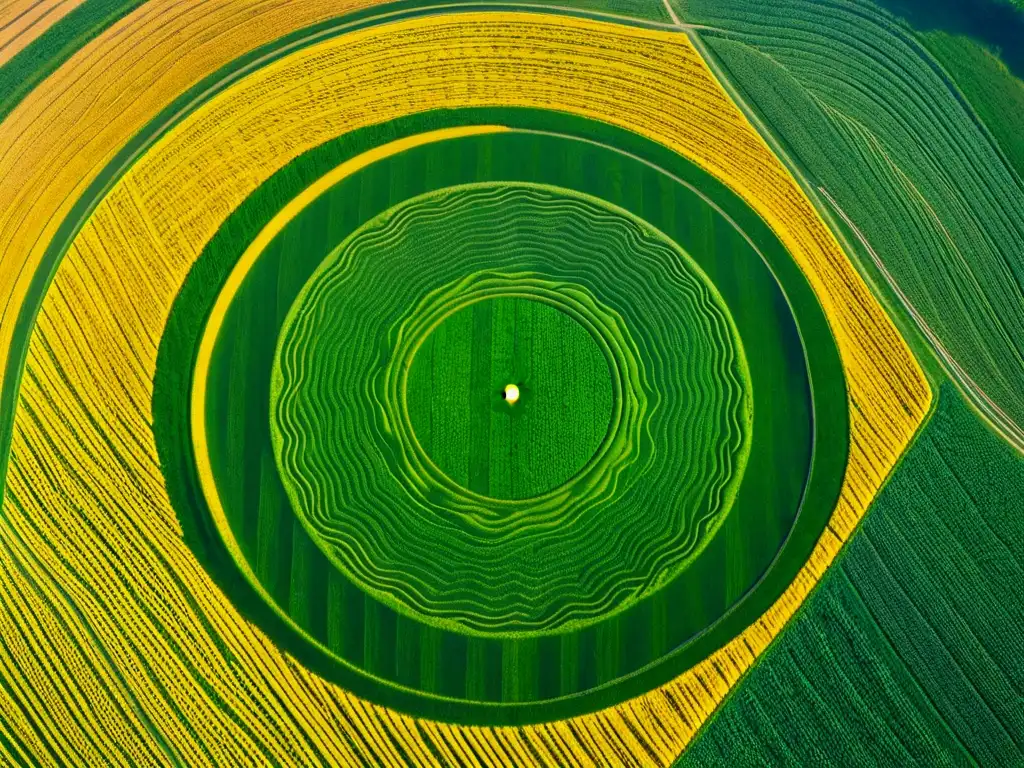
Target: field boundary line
[(993, 415)]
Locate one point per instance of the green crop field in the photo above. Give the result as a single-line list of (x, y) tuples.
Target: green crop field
[(910, 643), (521, 383), (325, 599), (991, 89), (859, 104)]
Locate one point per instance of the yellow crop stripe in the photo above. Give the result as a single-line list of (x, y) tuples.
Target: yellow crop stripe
[(59, 137), (87, 506), (22, 21)]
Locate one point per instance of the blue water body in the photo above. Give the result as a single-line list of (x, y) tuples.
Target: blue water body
[(997, 24)]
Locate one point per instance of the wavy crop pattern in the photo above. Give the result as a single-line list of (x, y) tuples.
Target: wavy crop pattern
[(115, 644), (629, 523)]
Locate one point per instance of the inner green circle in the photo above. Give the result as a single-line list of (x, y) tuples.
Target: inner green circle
[(544, 559), (480, 439)]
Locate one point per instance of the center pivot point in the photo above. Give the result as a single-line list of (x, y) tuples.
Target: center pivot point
[(511, 394)]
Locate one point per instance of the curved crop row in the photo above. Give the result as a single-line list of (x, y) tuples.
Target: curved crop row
[(22, 21), (710, 601)]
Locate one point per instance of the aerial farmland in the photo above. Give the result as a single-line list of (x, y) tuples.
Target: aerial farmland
[(571, 383)]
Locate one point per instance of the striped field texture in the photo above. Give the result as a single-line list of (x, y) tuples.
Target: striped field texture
[(22, 21), (933, 205), (635, 518), (907, 654)]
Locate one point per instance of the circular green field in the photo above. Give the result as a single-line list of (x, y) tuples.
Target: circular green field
[(658, 472), (447, 638), (500, 442)]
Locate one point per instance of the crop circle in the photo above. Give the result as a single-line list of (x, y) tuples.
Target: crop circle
[(571, 554), (288, 580)]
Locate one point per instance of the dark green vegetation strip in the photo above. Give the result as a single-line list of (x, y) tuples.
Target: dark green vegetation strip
[(911, 651), (866, 112), (355, 628), (31, 65)]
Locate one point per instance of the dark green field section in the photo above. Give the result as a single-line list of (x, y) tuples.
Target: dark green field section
[(911, 650), (481, 440), (865, 111), (388, 657)]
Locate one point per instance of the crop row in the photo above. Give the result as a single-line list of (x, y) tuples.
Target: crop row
[(873, 117), (914, 637)]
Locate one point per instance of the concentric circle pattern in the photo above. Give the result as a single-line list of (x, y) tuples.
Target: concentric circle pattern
[(645, 502), (532, 444), (268, 269), (309, 255)]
